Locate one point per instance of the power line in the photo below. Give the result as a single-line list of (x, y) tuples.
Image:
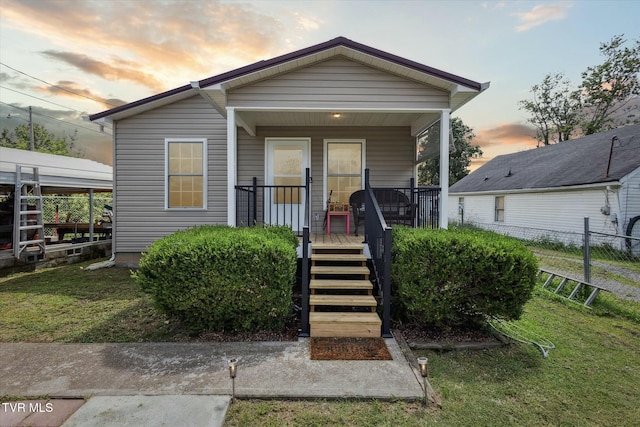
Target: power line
[(56, 119), (41, 99), (102, 101)]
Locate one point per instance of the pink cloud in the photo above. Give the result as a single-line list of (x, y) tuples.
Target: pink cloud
[(173, 41), (541, 14)]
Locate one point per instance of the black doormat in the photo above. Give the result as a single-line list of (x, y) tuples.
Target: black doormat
[(330, 348)]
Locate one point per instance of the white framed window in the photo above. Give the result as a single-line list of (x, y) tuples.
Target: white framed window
[(344, 165), (499, 209), (185, 173)]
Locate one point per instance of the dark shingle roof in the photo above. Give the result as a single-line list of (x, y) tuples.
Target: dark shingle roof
[(574, 162)]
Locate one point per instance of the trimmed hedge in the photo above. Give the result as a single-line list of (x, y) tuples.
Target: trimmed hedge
[(218, 278), (459, 276)]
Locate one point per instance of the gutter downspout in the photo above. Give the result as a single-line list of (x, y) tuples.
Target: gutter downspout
[(614, 139)]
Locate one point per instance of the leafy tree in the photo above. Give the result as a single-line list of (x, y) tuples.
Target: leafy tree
[(609, 87), (44, 141), (555, 109), (602, 101), (459, 157)]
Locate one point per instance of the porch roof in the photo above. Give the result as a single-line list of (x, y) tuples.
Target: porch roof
[(214, 88)]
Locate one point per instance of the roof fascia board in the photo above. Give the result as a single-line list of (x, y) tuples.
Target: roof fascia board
[(110, 113), (599, 185)]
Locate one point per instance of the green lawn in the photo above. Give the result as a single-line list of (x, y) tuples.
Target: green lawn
[(591, 378), (68, 304)]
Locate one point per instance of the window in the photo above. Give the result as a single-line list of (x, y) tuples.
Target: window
[(499, 214), (287, 171), (186, 173), (344, 169)]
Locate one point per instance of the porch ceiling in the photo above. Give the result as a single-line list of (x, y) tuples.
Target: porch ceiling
[(416, 120)]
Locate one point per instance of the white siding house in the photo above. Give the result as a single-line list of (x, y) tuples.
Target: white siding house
[(547, 192), (189, 156)]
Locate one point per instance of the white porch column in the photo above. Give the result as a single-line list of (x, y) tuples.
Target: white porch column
[(444, 168), (232, 169)]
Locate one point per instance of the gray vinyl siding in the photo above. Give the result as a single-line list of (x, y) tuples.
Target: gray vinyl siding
[(390, 157), (338, 83), (139, 172)]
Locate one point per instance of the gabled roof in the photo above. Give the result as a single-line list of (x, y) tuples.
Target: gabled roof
[(464, 89), (582, 161)]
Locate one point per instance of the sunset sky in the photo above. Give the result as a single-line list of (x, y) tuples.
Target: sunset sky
[(69, 58)]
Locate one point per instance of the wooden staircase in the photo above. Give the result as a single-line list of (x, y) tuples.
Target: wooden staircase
[(341, 300)]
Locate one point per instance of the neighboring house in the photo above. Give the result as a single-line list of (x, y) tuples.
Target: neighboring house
[(553, 188), (189, 156)]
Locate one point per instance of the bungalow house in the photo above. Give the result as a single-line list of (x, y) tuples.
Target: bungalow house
[(547, 192), (189, 156)]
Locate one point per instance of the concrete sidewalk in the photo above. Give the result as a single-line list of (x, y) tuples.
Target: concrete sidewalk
[(265, 370)]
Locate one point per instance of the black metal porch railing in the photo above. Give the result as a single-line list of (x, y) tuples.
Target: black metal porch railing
[(417, 207), (378, 238), (273, 204)]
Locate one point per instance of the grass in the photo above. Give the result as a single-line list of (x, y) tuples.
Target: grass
[(590, 379), (69, 304), (572, 263)]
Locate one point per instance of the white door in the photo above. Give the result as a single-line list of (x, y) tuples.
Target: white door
[(286, 162)]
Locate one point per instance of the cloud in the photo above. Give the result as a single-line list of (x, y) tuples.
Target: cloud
[(72, 90), (121, 70), (541, 14), (506, 134), (307, 22), (175, 41), (502, 139)]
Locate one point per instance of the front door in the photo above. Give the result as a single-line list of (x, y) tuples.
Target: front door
[(284, 200)]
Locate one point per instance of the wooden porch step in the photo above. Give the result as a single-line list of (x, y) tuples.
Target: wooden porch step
[(351, 248), (343, 300), (332, 284), (336, 270), (342, 324), (338, 257)]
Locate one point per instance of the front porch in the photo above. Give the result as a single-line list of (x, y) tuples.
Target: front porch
[(351, 272)]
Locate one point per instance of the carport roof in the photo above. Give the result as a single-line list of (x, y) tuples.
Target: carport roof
[(58, 174)]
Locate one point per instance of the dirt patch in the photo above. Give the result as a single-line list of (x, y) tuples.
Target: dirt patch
[(414, 333), (322, 348)]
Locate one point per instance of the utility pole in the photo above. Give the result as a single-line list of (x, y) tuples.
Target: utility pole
[(32, 145)]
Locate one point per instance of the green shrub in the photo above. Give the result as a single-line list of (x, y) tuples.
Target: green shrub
[(220, 278), (459, 276)]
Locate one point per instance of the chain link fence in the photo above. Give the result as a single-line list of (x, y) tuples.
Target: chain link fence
[(74, 208), (608, 260)]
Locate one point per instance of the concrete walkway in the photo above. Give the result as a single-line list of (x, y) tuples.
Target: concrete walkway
[(265, 370)]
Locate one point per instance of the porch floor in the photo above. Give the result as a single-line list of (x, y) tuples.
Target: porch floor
[(335, 238)]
